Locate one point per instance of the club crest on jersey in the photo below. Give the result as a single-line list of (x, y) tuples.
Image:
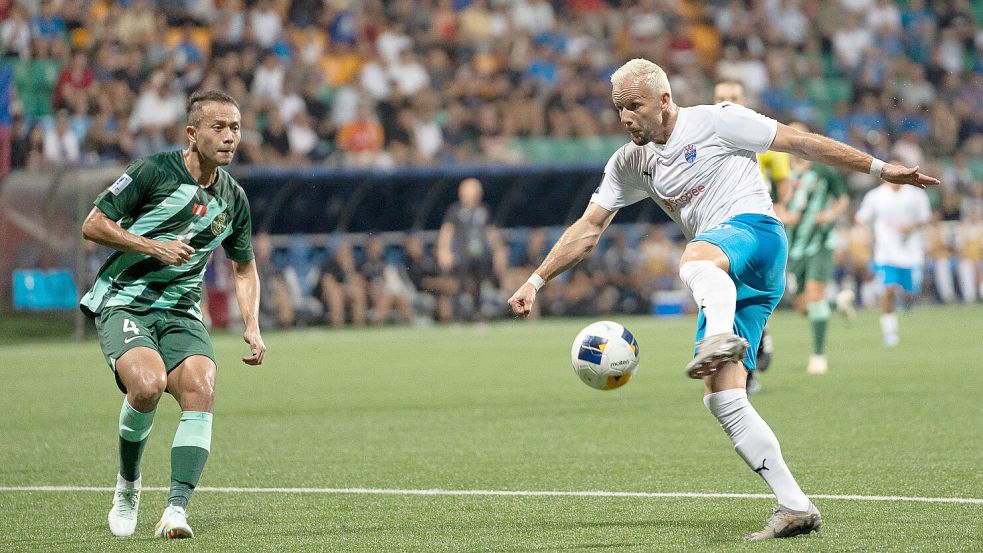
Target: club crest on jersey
[(690, 153), (219, 223)]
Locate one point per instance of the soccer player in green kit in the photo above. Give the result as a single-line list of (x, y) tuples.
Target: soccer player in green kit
[(818, 198), (164, 216)]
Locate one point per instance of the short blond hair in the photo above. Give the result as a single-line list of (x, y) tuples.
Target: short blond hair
[(646, 72)]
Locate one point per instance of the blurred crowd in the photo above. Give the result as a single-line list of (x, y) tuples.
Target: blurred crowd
[(465, 271), (383, 83)]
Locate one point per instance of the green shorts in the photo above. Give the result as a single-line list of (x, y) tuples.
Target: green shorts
[(173, 335), (817, 267)]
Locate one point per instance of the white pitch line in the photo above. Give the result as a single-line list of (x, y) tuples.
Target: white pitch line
[(515, 493)]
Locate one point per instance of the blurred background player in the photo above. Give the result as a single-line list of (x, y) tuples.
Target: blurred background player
[(146, 298), (775, 169), (818, 198), (896, 214), (695, 163)]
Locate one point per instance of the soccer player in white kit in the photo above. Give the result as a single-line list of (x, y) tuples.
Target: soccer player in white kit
[(896, 213), (699, 164)]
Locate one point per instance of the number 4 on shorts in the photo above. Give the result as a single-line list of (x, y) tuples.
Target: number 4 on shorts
[(130, 326)]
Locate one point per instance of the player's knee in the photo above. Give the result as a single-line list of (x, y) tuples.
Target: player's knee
[(147, 387)]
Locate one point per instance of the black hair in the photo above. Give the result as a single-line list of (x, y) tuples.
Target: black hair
[(202, 96)]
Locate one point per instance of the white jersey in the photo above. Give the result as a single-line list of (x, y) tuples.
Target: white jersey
[(888, 212), (706, 173)]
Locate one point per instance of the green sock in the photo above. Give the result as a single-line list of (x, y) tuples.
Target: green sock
[(819, 317), (189, 452), (134, 427)]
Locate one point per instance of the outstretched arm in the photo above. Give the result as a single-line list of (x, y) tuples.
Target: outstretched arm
[(247, 294), (819, 148), (575, 243)]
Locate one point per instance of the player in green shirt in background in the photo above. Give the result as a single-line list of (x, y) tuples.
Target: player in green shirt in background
[(164, 216), (818, 198)]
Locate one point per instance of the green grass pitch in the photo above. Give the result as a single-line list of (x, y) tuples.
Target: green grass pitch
[(499, 408)]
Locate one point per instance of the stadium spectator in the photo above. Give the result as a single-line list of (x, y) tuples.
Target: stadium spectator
[(342, 288), (76, 86), (275, 306), (61, 144), (437, 287), (386, 288), (361, 139)]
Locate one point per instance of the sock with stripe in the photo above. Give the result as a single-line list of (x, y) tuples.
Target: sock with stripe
[(134, 428), (189, 452), (756, 444)]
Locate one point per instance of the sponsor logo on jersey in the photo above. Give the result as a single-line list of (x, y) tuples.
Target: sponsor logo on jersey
[(690, 153), (677, 202), (219, 223), (121, 183)]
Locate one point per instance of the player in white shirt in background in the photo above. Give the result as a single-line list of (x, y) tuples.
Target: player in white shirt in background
[(698, 163), (896, 214)]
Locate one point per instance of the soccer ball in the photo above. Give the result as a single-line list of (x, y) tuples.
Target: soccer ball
[(604, 355)]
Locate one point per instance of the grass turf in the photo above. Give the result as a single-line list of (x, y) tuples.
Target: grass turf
[(499, 408)]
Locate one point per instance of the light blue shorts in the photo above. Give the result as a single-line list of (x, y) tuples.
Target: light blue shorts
[(907, 278), (757, 249)]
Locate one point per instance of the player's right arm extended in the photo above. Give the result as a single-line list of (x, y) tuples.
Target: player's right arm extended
[(576, 242), (100, 229)]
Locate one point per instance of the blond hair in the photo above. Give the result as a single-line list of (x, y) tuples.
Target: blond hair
[(646, 72)]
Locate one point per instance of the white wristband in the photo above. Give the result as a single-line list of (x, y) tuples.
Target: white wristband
[(876, 167), (536, 281)]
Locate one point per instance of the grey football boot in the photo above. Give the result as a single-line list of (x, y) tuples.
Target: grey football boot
[(785, 523), (714, 352)]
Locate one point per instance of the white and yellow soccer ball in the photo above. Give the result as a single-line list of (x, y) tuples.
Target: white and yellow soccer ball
[(605, 355)]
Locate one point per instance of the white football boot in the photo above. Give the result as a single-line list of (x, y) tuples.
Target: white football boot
[(817, 364), (173, 524), (786, 523), (126, 503), (844, 304)]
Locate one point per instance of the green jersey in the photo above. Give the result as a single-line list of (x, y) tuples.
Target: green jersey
[(814, 189), (157, 198)]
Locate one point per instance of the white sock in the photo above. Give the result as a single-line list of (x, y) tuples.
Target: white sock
[(756, 444), (889, 324), (123, 483), (714, 293)]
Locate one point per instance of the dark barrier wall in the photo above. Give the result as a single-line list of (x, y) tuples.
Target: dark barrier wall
[(325, 201), (41, 213)]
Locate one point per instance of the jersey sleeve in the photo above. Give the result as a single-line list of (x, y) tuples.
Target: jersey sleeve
[(740, 128), (125, 196), (619, 188), (239, 244)]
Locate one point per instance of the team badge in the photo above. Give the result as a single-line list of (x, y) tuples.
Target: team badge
[(690, 153), (219, 223)]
